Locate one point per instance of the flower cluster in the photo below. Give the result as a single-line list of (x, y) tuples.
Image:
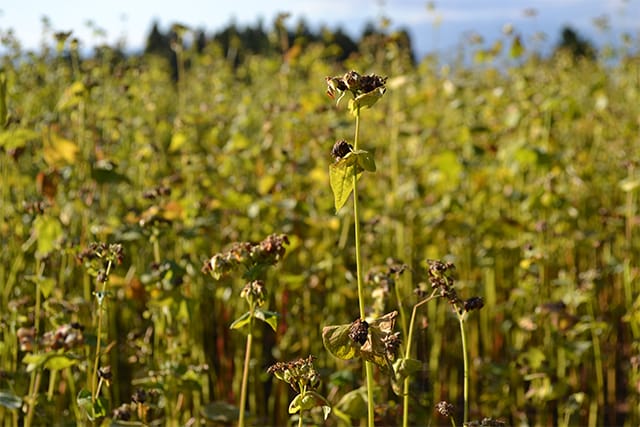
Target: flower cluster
[(355, 83), (112, 252), (441, 278), (254, 292), (247, 254), (299, 374), (65, 337), (445, 408)]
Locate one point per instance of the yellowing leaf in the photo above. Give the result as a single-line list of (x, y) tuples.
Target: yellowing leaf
[(58, 151), (71, 96), (178, 139)]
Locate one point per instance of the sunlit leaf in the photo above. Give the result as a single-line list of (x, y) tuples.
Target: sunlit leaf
[(366, 100), (59, 361), (48, 232), (241, 321), (629, 184), (17, 138), (57, 150), (296, 404), (365, 160), (72, 96), (269, 317), (178, 140), (341, 179), (336, 340)]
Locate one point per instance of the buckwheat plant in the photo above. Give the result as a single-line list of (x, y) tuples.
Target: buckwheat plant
[(440, 277), (98, 260), (254, 258), (350, 161), (304, 380)]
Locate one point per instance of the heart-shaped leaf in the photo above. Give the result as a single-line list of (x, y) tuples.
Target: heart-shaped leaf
[(341, 178), (269, 317)]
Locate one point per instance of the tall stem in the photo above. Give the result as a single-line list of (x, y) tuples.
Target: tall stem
[(465, 359), (356, 218), (407, 355), (245, 372)]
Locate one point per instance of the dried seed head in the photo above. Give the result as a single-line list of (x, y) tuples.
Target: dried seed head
[(473, 303), (445, 408), (340, 149), (391, 344), (139, 396), (122, 413), (359, 331), (300, 373)]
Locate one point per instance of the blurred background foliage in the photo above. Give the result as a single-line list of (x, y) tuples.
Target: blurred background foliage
[(520, 168)]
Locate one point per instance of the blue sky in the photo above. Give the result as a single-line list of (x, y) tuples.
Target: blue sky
[(441, 28)]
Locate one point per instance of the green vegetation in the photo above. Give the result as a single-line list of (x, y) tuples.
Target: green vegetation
[(148, 203)]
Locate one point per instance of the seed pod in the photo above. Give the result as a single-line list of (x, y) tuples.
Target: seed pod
[(340, 149), (359, 331)]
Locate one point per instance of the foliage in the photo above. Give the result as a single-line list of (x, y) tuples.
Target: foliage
[(521, 170)]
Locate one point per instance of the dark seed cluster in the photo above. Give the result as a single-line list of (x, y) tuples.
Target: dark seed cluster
[(355, 83), (341, 149), (156, 192), (100, 250), (358, 331)]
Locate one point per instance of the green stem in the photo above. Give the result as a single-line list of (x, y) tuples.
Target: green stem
[(96, 362), (245, 373), (356, 218), (33, 397), (407, 354), (465, 358)]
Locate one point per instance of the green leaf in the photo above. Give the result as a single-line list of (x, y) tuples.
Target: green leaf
[(517, 49), (221, 412), (104, 172), (17, 138), (341, 179), (241, 321), (629, 184), (311, 399), (269, 317), (34, 361), (178, 139), (336, 340), (59, 361), (366, 100), (296, 404), (10, 400), (365, 160), (48, 232), (47, 284), (93, 410), (354, 403)]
